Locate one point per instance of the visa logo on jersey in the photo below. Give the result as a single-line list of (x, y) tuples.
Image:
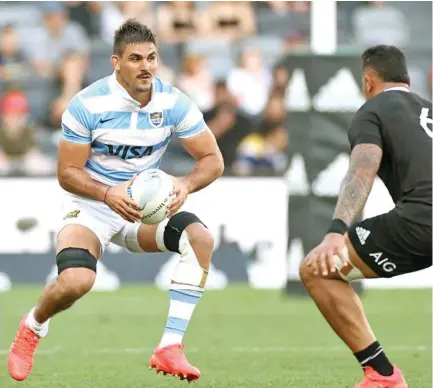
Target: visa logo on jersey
[(126, 152)]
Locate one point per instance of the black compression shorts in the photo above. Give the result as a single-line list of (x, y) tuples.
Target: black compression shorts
[(391, 245)]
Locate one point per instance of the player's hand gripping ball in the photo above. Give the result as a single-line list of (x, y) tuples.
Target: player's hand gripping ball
[(151, 190)]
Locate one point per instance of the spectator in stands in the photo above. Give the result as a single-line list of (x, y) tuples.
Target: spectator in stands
[(18, 140), (231, 20), (196, 81), (178, 21), (289, 20), (280, 80), (87, 14), (227, 124), (12, 61), (380, 22), (165, 72), (283, 7), (60, 49), (57, 41), (114, 13), (250, 82), (265, 152)]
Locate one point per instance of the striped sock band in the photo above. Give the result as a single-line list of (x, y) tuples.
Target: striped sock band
[(182, 304)]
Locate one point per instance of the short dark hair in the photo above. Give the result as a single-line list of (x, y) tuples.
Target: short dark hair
[(388, 61), (131, 32)]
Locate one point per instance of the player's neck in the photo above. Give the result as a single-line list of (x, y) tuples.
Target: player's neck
[(390, 85), (143, 98)]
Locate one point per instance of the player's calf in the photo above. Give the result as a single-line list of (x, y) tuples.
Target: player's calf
[(76, 276), (343, 310), (186, 234)]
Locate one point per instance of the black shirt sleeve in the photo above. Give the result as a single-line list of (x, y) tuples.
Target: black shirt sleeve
[(365, 128)]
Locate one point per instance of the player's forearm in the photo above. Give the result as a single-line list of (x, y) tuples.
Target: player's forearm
[(208, 169), (354, 192), (79, 182)]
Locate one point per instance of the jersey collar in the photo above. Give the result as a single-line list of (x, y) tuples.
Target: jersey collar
[(119, 90), (401, 88)]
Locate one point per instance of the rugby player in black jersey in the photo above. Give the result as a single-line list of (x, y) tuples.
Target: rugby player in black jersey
[(390, 137)]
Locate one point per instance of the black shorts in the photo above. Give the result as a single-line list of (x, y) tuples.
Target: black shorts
[(391, 245)]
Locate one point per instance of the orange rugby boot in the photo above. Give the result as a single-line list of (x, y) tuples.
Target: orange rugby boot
[(372, 379), (22, 352), (171, 359)]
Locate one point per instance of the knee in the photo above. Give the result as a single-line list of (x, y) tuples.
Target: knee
[(199, 236), (201, 241), (306, 274), (77, 272), (76, 282)]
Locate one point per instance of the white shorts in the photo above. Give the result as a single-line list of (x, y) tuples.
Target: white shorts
[(107, 225)]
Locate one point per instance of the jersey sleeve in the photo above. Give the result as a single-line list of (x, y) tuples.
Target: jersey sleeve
[(189, 120), (77, 123), (365, 128)]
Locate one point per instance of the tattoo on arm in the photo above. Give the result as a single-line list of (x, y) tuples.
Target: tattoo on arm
[(356, 186)]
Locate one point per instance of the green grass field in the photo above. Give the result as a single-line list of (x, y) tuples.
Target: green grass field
[(238, 338)]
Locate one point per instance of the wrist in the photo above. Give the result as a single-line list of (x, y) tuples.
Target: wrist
[(188, 184), (105, 194), (338, 226)]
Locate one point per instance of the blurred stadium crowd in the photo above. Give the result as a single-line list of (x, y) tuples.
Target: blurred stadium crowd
[(224, 55)]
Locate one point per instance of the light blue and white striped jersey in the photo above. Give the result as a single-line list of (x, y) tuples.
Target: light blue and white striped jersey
[(126, 138)]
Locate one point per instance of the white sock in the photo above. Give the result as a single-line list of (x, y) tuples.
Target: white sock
[(183, 300), (40, 329)]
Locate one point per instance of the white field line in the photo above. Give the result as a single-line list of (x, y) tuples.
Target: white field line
[(235, 349)]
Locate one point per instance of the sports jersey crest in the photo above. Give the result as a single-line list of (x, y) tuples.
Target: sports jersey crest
[(156, 119)]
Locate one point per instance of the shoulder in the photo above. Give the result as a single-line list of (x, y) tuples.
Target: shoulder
[(94, 94), (96, 89), (83, 105), (171, 98), (162, 86)]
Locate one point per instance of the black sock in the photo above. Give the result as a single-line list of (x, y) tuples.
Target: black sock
[(375, 357)]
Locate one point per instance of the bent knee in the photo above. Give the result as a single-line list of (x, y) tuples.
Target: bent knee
[(200, 237), (76, 282), (306, 273)]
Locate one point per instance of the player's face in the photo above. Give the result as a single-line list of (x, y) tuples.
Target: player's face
[(137, 66)]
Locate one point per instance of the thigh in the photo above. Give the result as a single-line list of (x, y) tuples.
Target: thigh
[(87, 222), (386, 246), (137, 238), (78, 236)]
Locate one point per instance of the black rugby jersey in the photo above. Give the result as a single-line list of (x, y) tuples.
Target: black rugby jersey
[(400, 122)]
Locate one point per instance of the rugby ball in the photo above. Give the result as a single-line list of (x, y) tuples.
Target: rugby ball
[(151, 190)]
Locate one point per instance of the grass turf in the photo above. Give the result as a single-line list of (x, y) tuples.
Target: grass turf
[(238, 338)]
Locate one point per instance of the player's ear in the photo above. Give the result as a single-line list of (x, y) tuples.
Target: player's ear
[(115, 62)]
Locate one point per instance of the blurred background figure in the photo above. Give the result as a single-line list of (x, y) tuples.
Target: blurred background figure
[(231, 20), (197, 81), (380, 22), (114, 13), (250, 82), (19, 153), (228, 124), (12, 60), (264, 152), (178, 21)]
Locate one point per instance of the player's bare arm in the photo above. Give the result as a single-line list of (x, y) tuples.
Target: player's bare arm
[(356, 186), (72, 158), (210, 164), (365, 161), (209, 167)]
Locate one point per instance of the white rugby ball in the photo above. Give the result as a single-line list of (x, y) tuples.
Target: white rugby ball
[(151, 190)]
